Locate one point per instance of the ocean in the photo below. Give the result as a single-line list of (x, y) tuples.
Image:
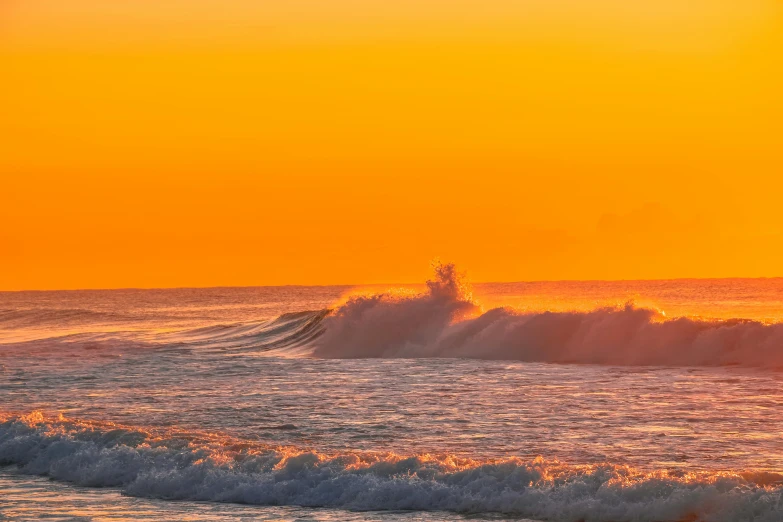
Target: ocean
[(644, 401)]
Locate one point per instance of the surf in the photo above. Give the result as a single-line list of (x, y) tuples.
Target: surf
[(180, 465), (446, 321)]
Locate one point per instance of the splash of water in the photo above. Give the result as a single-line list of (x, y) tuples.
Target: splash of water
[(398, 324)]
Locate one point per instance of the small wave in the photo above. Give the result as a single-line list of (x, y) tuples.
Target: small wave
[(152, 463), (29, 317), (445, 321)]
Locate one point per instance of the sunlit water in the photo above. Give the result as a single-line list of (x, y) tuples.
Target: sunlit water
[(200, 405)]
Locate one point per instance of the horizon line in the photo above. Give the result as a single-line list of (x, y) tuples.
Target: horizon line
[(300, 285)]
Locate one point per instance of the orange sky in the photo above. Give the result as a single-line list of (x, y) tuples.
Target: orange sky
[(236, 142)]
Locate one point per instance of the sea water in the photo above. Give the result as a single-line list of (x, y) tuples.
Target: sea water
[(597, 401)]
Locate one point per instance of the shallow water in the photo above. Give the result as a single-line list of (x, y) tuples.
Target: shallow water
[(29, 498)]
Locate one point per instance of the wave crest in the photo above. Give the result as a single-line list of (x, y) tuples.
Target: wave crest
[(203, 466), (397, 323), (446, 322)]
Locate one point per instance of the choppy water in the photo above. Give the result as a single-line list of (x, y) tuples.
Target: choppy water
[(296, 403)]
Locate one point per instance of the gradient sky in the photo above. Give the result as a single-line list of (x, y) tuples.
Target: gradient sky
[(157, 143)]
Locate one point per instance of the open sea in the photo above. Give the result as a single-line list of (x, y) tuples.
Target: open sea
[(644, 401)]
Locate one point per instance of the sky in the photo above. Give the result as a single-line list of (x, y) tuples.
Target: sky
[(165, 143)]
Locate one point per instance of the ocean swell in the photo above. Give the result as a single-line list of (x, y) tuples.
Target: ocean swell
[(284, 335), (289, 331), (209, 467)]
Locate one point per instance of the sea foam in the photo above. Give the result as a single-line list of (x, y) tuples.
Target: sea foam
[(199, 466), (445, 321)]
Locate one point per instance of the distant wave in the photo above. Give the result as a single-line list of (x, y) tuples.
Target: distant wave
[(152, 463), (445, 321), (42, 317)]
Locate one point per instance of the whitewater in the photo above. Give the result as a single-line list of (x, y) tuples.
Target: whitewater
[(565, 401)]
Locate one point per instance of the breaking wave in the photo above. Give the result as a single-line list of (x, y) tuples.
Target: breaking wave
[(208, 467), (445, 321)]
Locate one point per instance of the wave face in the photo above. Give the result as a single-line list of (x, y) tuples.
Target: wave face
[(199, 466), (445, 321), (289, 334), (288, 331)]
